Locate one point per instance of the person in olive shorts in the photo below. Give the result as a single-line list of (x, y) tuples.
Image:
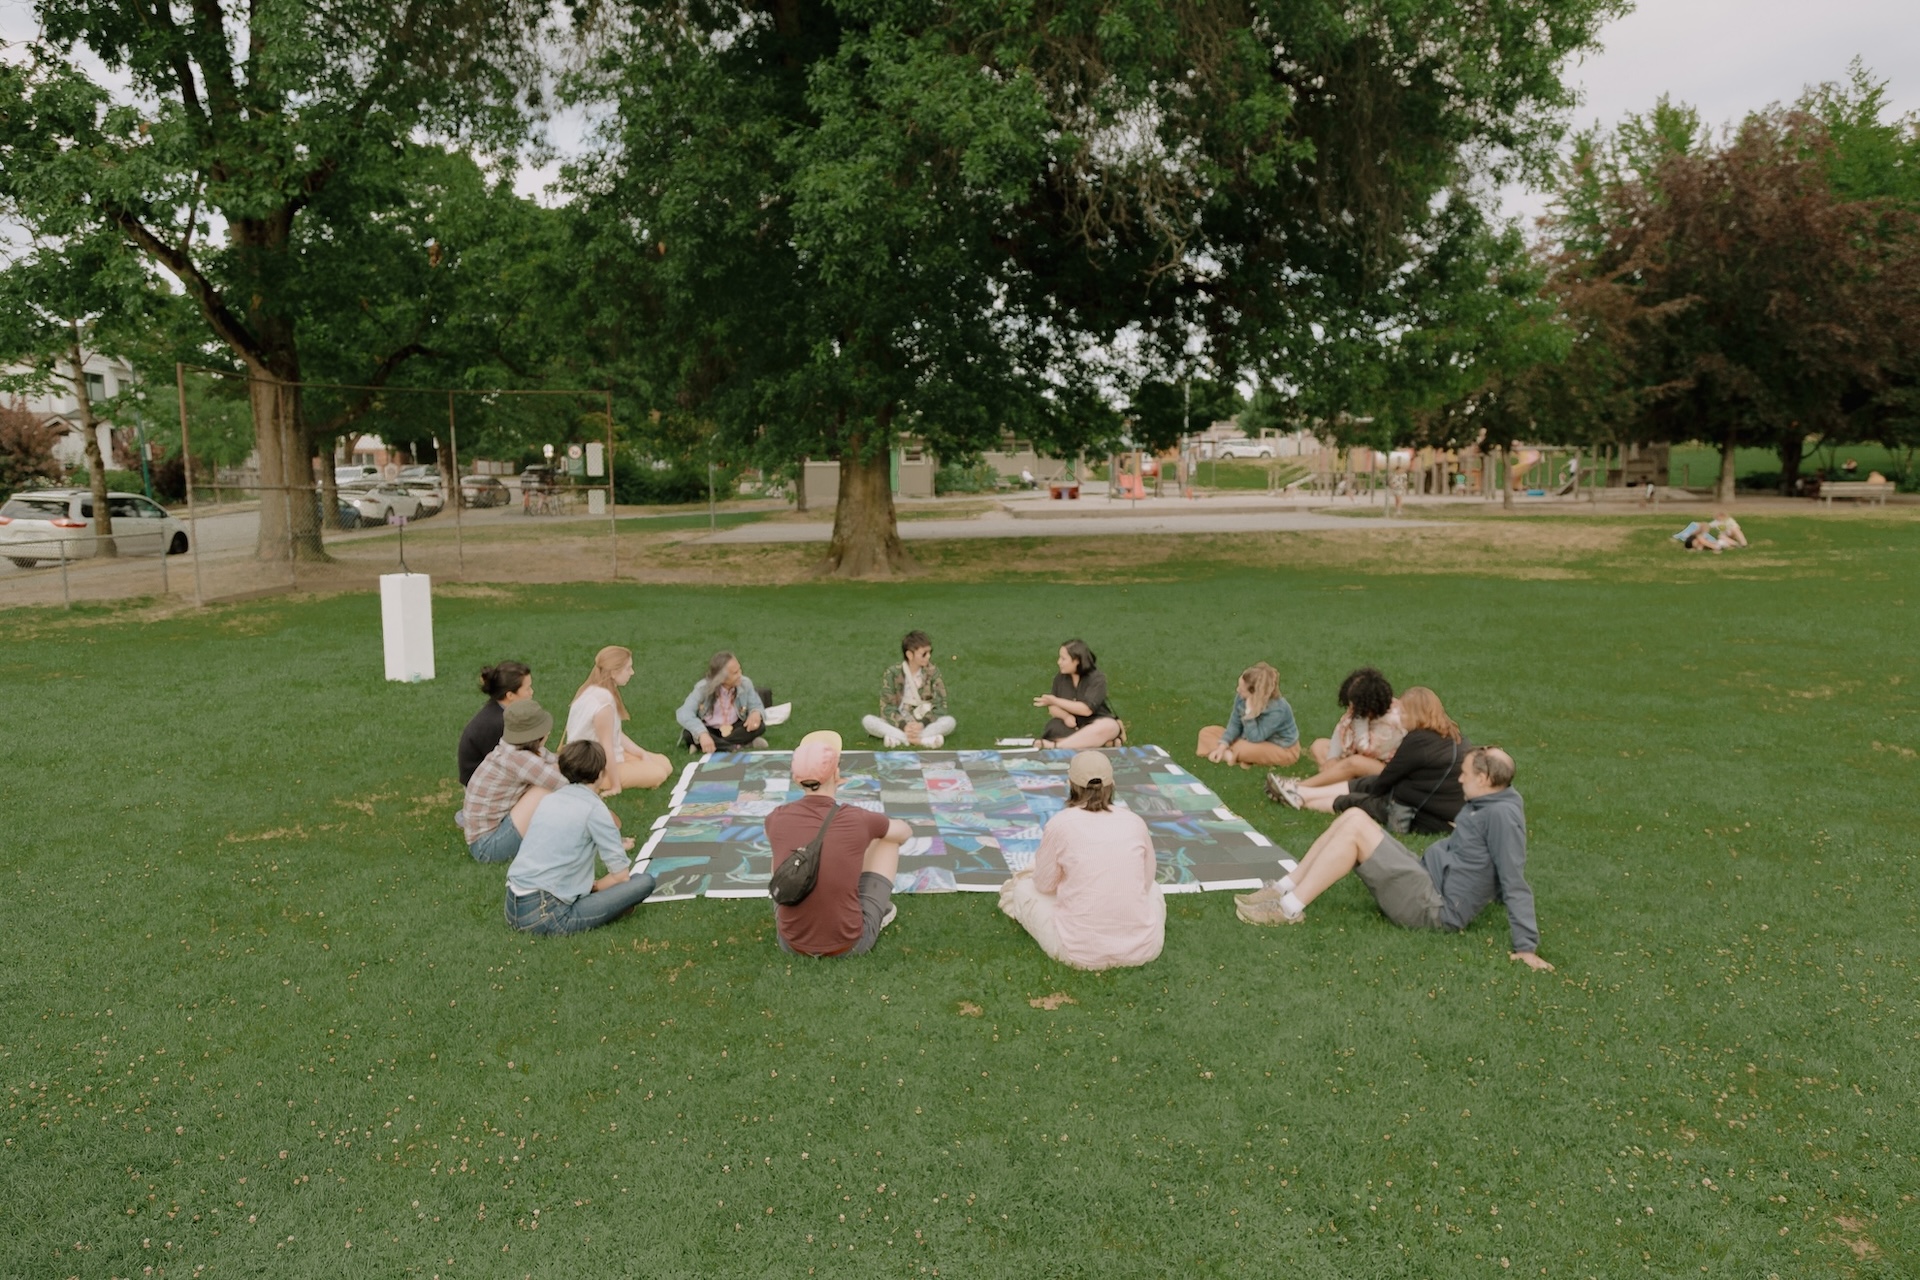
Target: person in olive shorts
[(853, 899), (1485, 858)]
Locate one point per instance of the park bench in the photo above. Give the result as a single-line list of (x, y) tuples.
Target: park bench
[(1058, 489), (1856, 490)]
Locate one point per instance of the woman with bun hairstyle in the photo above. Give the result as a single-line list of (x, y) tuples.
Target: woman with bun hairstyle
[(1077, 712), (596, 715), (503, 682)]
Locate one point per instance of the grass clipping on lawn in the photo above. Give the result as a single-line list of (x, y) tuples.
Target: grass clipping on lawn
[(264, 1016)]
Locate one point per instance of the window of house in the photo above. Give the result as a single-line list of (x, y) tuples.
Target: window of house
[(96, 386)]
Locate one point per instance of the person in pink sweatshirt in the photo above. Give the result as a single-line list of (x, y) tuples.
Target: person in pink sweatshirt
[(1090, 900)]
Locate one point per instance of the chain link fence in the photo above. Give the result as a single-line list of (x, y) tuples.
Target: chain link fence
[(226, 534)]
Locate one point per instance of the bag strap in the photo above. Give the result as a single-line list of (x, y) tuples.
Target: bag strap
[(825, 822), (1451, 765)]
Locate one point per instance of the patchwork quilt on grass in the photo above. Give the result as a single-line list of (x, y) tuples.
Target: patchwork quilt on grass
[(976, 818)]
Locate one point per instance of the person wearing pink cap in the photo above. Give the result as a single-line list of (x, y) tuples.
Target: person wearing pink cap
[(1090, 900), (852, 901)]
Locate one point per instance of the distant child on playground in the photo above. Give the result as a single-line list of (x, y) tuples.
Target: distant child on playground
[(1260, 729)]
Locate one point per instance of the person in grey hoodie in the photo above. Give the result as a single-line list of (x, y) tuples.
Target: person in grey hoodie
[(1485, 858)]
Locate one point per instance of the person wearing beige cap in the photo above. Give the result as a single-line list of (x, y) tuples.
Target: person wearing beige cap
[(510, 783), (1090, 900), (852, 901)]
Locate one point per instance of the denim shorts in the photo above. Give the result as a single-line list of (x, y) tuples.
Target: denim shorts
[(498, 845)]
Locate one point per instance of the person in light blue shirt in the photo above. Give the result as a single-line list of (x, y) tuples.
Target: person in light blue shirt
[(550, 884), (1260, 730)]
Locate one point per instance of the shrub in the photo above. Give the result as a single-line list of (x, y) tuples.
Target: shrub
[(641, 483), (953, 477), (26, 451)]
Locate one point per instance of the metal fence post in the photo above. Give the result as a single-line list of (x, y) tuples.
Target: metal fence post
[(186, 462), (453, 468), (66, 593), (613, 516)]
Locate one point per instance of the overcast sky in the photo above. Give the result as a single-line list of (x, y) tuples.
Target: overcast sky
[(1725, 57)]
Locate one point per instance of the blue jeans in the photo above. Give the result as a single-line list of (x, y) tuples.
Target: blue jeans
[(542, 913), (498, 845)]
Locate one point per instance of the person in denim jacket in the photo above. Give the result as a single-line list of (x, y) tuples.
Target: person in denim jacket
[(913, 699), (550, 885), (1259, 730), (724, 711)]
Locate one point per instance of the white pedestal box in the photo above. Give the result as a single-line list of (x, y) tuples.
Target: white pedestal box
[(596, 502), (406, 625)]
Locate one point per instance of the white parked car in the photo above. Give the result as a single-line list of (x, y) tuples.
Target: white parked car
[(433, 498), (355, 475), (376, 503), (49, 524), (1244, 449)]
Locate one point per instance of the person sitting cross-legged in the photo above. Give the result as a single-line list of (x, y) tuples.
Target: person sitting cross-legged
[(1259, 730), (510, 783), (724, 712), (550, 886), (913, 699), (1078, 714), (1485, 858), (1090, 900)]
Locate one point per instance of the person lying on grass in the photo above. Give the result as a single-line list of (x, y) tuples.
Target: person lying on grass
[(1368, 734), (510, 784), (1077, 712), (1090, 900), (550, 886), (1485, 858), (913, 699), (1424, 774), (1260, 728), (852, 899), (596, 716)]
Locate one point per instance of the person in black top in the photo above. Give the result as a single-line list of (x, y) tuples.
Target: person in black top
[(503, 682), (1078, 716), (1423, 775)]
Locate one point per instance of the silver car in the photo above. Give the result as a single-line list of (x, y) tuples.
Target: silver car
[(54, 524)]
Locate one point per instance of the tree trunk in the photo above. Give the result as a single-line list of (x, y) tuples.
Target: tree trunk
[(1723, 488), (1506, 478), (103, 543), (866, 535), (288, 511), (1791, 449)]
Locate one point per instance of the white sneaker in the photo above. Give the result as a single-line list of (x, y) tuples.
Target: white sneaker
[(894, 741), (933, 741), (887, 919)]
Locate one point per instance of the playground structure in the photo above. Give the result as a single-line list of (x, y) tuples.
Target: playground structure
[(1539, 471)]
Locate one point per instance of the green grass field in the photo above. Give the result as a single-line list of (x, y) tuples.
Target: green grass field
[(262, 1016)]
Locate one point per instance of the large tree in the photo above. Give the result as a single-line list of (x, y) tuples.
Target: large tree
[(235, 128), (834, 220), (1746, 300)]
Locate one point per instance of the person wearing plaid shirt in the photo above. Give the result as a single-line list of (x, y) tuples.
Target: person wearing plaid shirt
[(913, 699), (510, 782)]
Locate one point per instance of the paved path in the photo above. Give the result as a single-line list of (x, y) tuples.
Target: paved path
[(1161, 517)]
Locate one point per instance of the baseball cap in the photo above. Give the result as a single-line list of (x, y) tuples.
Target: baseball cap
[(817, 757), (526, 721), (1089, 767)]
